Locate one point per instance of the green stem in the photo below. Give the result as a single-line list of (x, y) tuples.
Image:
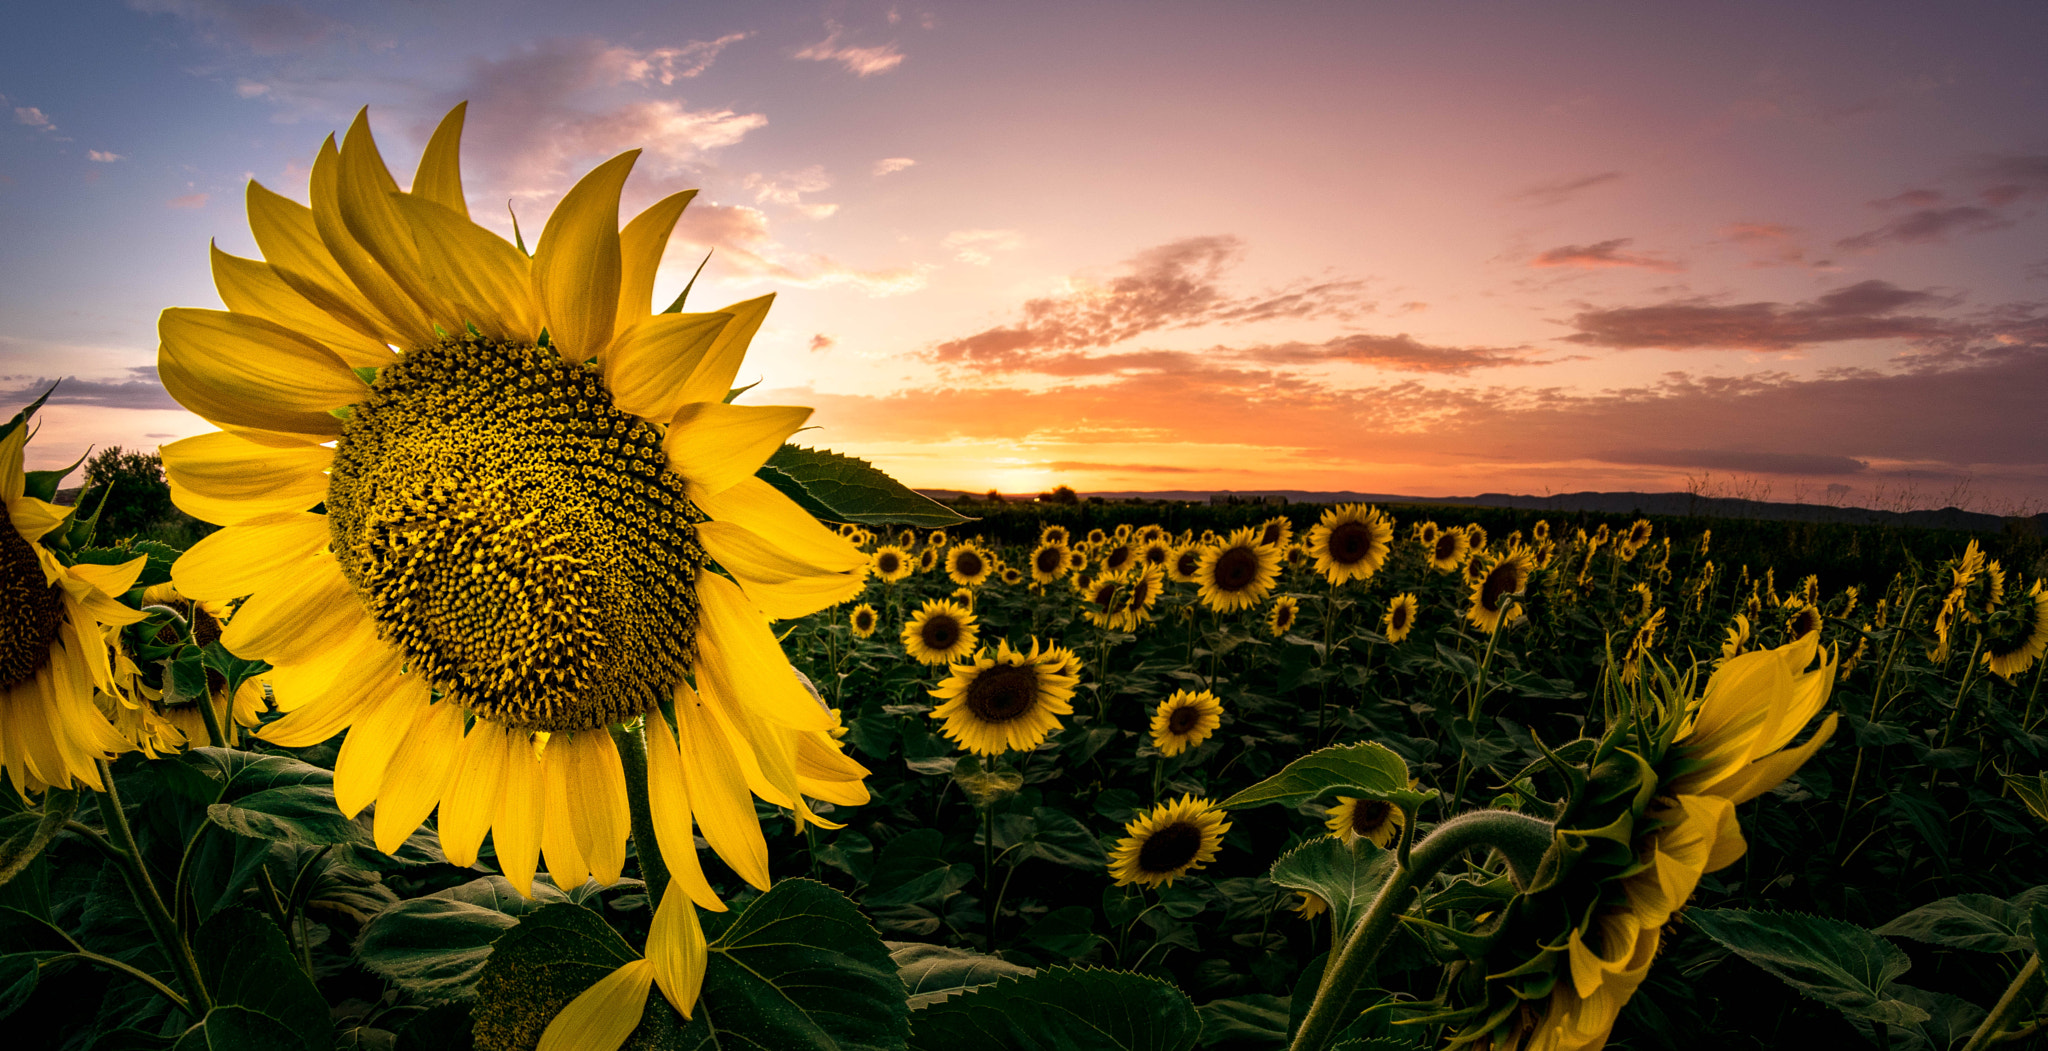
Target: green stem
[(1520, 838), (215, 734), (147, 900), (2016, 1005), (633, 757), (131, 971)]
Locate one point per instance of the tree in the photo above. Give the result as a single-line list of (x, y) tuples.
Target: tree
[(138, 499), (1065, 495), (994, 497)]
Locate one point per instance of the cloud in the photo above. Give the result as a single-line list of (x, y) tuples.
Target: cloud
[(892, 165), (822, 341), (788, 188), (2014, 178), (1739, 461), (1910, 199), (141, 391), (739, 234), (33, 117), (266, 27), (668, 64), (1769, 244), (1401, 353), (1866, 310), (1174, 285), (861, 61), (250, 89), (1927, 225), (1546, 194), (188, 201), (1602, 255), (104, 156), (1138, 468), (977, 246)]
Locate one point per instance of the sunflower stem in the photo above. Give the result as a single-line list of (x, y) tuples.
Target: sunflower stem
[(215, 734), (1518, 837), (2015, 1006), (147, 900), (632, 745)]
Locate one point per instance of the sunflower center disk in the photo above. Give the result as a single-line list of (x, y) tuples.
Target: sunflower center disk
[(940, 632), (1002, 693), (1170, 847), (517, 536), (1236, 569), (1350, 543), (30, 611), (1183, 720), (1369, 816)]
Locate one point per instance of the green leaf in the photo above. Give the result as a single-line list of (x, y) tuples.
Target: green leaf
[(1257, 1021), (2033, 791), (27, 832), (931, 973), (245, 963), (848, 489), (300, 815), (912, 870), (434, 947), (229, 1027), (537, 967), (1972, 921), (1346, 877), (1062, 1009), (1950, 1021), (1067, 931), (1365, 770), (1059, 838), (1839, 964), (18, 974)]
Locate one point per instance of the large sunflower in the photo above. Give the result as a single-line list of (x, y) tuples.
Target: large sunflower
[(54, 621), (1491, 602), (1237, 573), (1008, 702), (524, 477), (1350, 542), (1168, 841), (940, 632), (1185, 720), (968, 565)]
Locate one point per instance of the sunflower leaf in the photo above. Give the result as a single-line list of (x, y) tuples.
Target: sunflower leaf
[(27, 832), (245, 963), (931, 973), (800, 967), (1063, 1009), (1347, 878), (849, 489), (1832, 961), (434, 947), (1366, 770), (1972, 921)]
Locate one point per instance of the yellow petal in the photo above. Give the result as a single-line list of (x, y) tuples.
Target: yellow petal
[(713, 377), (777, 519), (649, 364), (310, 724), (1589, 967), (111, 580), (735, 648), (418, 774), (368, 202), (402, 320), (597, 803), (331, 668), (576, 262), (558, 826), (604, 1015), (367, 750), (473, 792), (13, 482), (290, 242), (718, 792), (713, 445), (256, 555), (293, 622), (232, 368), (668, 802), (675, 946), (485, 279), (516, 826), (641, 245), (251, 286), (766, 752), (1772, 770), (227, 479), (782, 586), (439, 178)]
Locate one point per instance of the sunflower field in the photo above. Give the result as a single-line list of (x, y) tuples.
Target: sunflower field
[(534, 692)]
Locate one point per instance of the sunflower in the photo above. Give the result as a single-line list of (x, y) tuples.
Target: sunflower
[(906, 538), (1449, 551), (54, 621), (1149, 534), (928, 560), (1123, 532), (1475, 535), (2014, 645), (1644, 600), (863, 620), (1097, 538), (1209, 538), (1146, 584), (1168, 841), (1237, 574), (892, 563), (939, 633), (1400, 618), (1156, 552), (1805, 620), (243, 710), (1280, 619), (523, 477), (1311, 904), (937, 538), (1050, 560), (1054, 534), (1540, 532), (1736, 639), (1012, 576), (969, 565), (964, 596), (1350, 542), (1639, 644), (1374, 820), (1276, 531), (1491, 605), (1638, 537), (1426, 534), (1120, 556), (1184, 564), (1008, 702), (1185, 720)]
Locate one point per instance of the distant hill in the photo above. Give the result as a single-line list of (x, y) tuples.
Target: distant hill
[(1676, 504)]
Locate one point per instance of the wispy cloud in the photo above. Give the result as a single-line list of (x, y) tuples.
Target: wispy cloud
[(188, 201), (34, 118), (141, 391), (1927, 225), (788, 189), (861, 61), (1768, 244), (978, 247), (1401, 353), (267, 27), (1604, 254), (1543, 195), (892, 165), (739, 234), (104, 156), (1866, 310)]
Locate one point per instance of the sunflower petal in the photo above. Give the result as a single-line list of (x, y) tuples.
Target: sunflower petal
[(604, 1015), (718, 792), (641, 245), (713, 445), (558, 845), (439, 178), (403, 321), (649, 363), (576, 262), (295, 622), (367, 750), (473, 792), (310, 724), (232, 368), (368, 202), (227, 479), (668, 802), (713, 377), (256, 555), (516, 827), (738, 652), (251, 286), (597, 800), (777, 519), (1767, 773), (418, 774), (289, 239), (675, 946), (487, 280), (783, 587)]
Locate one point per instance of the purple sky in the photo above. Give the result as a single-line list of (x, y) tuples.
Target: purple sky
[(1792, 250)]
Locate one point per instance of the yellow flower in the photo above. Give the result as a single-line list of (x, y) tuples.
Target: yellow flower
[(1237, 574), (1155, 552), (1373, 820), (1008, 702), (1640, 642), (1492, 605), (1448, 552), (1350, 542), (1276, 531), (1096, 538), (968, 565), (863, 620), (1050, 560), (1119, 557), (1012, 576), (1184, 564), (928, 559), (524, 477), (940, 632), (1400, 618), (937, 538), (2023, 638), (1184, 720), (1167, 842), (1311, 904), (1054, 534), (1280, 619), (892, 563), (54, 621)]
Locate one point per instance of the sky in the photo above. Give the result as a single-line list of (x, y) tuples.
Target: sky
[(1784, 251)]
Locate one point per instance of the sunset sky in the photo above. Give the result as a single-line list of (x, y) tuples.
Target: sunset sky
[(1434, 249)]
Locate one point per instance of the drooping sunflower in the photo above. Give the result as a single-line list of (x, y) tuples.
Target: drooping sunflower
[(1008, 701), (54, 621), (1054, 534), (1184, 564), (940, 632), (1640, 643), (1638, 537), (1449, 551), (2018, 638), (1492, 601), (1645, 599), (1400, 618), (863, 620), (1280, 619), (1167, 842), (1373, 820), (233, 713), (1276, 531), (968, 565), (892, 563), (1050, 560), (1185, 720), (1350, 542), (1238, 573), (523, 477)]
